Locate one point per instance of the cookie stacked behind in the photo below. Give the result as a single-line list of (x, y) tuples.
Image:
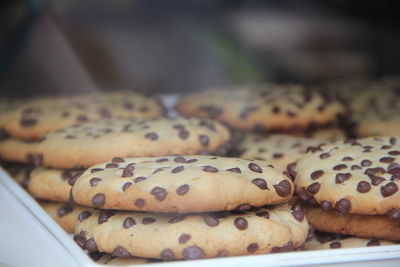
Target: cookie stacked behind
[(186, 207), (272, 107), (356, 186)]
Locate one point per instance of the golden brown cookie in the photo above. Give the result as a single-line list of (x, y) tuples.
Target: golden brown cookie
[(366, 226), (33, 119), (181, 184), (269, 107), (360, 176), (95, 142), (191, 236), (65, 214)]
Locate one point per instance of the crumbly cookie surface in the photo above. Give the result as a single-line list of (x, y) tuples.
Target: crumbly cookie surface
[(191, 236), (181, 184)]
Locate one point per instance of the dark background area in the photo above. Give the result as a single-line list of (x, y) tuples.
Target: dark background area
[(180, 46)]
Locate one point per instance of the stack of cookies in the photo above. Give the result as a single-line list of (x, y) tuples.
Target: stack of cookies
[(187, 207), (353, 187)]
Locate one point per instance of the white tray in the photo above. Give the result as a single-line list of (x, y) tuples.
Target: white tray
[(29, 237)]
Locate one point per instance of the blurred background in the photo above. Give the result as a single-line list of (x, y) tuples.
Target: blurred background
[(173, 46)]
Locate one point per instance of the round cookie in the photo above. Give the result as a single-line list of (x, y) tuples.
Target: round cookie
[(65, 214), (181, 184), (51, 184), (33, 119), (333, 242), (278, 149), (191, 236), (94, 142), (366, 226), (270, 107), (355, 176)]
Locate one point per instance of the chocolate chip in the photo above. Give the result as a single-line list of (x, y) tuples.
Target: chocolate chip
[(277, 155), (260, 183), (373, 242), (193, 252), (128, 222), (341, 177), (210, 220), (276, 109), (84, 215), (64, 210), (27, 122), (128, 171), (263, 214), (241, 223), (151, 136), (191, 160), (343, 206), (121, 252), (325, 205), (335, 244), (395, 177), (148, 220), (203, 139), (374, 171), (314, 188), (96, 170), (291, 168), (139, 202), (35, 159), (340, 167), (159, 193), (126, 186), (183, 134), (386, 160), (366, 163), (393, 168), (394, 214), (179, 159), (112, 165), (363, 187), (178, 169), (393, 141), (394, 153), (162, 160), (139, 179), (324, 156), (284, 188), (98, 200), (209, 169), (237, 170), (176, 219), (376, 180), (94, 181), (355, 167), (243, 207), (167, 254), (184, 238), (255, 168), (183, 189), (91, 245), (81, 241), (347, 158), (291, 114), (82, 118), (317, 174), (253, 247), (158, 170), (104, 215), (285, 248), (298, 214), (389, 189)]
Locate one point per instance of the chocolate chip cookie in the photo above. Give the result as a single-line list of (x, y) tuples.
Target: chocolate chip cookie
[(181, 184), (95, 142), (191, 236), (271, 107), (360, 176)]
